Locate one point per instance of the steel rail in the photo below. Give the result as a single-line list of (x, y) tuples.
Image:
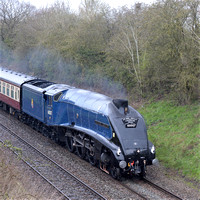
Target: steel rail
[(36, 171), (133, 191), (124, 185), (161, 189), (49, 159)]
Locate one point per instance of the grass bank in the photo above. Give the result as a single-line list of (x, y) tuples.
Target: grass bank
[(175, 131)]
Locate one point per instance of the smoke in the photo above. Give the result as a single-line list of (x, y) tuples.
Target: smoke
[(49, 65), (104, 85), (6, 56)]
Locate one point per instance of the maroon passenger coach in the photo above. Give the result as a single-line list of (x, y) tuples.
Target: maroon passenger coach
[(10, 88)]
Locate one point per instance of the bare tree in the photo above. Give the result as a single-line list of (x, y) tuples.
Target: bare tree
[(125, 44), (193, 21), (130, 43), (90, 9), (12, 12)]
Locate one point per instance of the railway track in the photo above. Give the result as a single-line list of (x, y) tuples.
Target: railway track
[(160, 193), (63, 181), (134, 193), (134, 190), (170, 194)]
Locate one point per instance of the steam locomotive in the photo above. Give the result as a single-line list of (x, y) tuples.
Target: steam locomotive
[(107, 132)]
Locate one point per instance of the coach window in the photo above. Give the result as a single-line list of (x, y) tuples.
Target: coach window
[(16, 94), (12, 92), (8, 90), (4, 88)]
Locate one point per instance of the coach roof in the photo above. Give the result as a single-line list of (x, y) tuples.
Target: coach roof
[(14, 77)]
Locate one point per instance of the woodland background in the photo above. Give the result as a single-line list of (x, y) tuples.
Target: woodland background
[(147, 51)]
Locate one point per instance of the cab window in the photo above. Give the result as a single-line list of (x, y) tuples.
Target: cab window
[(57, 96)]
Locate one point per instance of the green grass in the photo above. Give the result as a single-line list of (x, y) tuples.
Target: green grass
[(175, 131)]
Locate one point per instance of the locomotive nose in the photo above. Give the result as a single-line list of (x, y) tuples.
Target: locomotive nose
[(135, 147)]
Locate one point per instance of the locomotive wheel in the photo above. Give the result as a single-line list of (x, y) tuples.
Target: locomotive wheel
[(33, 124), (69, 144), (115, 173), (40, 127), (56, 139), (44, 131), (91, 158), (37, 126), (26, 119), (91, 155), (80, 151)]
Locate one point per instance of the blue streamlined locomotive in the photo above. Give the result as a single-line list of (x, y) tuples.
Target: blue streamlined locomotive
[(107, 132)]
